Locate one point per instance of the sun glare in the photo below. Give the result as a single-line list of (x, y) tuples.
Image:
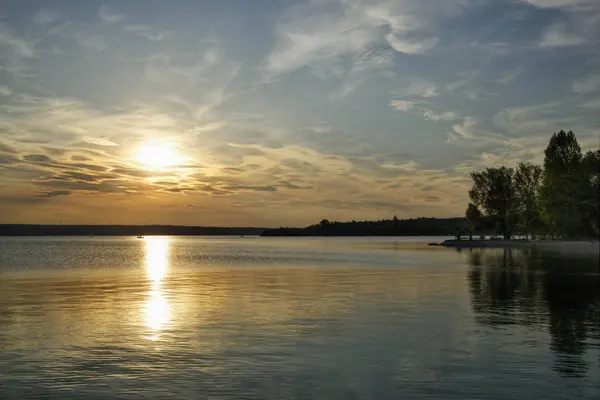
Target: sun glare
[(157, 308), (158, 155)]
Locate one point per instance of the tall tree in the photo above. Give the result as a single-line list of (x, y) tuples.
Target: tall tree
[(561, 192), (494, 191), (527, 182), (591, 190), (474, 217)]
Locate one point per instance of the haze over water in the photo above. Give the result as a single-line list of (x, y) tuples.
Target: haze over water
[(377, 318)]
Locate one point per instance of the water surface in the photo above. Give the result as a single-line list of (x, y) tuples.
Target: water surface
[(347, 318)]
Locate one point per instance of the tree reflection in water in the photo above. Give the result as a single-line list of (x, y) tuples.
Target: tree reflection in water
[(541, 290)]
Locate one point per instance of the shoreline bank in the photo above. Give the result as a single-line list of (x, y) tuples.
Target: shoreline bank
[(564, 246)]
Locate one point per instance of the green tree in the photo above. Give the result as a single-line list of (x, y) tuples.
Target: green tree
[(494, 191), (527, 182), (562, 191), (591, 190)]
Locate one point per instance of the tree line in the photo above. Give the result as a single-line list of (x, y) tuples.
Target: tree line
[(122, 230), (559, 199), (383, 227)]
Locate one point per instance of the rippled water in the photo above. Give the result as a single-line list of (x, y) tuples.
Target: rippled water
[(277, 318)]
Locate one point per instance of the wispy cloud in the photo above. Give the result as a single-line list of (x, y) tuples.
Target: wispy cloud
[(588, 84), (45, 17), (561, 3), (307, 40), (510, 76), (559, 36), (109, 15), (55, 193), (15, 45), (579, 25), (419, 89), (148, 32), (324, 32), (435, 116), (5, 91), (411, 46), (402, 105)]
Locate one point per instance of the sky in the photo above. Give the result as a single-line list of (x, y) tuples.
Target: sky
[(281, 112)]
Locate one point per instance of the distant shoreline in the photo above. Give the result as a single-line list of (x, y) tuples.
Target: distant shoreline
[(124, 230)]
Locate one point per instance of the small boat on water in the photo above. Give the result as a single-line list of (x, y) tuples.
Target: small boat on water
[(140, 236)]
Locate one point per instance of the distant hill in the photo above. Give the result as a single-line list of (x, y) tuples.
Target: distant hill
[(387, 227), (121, 230)]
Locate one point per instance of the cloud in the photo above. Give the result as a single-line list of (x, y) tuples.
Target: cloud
[(148, 32), (408, 46), (510, 76), (559, 3), (99, 141), (91, 167), (8, 159), (369, 64), (109, 15), (14, 44), (419, 89), (80, 176), (402, 105), (45, 17), (194, 83), (81, 186), (6, 148), (434, 116), (54, 151), (263, 188), (578, 25), (5, 91), (559, 36), (586, 85), (324, 32), (591, 104), (432, 199), (543, 119), (403, 166), (55, 193), (321, 127), (132, 172), (37, 158), (464, 130), (317, 39)]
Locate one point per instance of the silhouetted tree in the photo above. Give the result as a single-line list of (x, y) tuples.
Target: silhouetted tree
[(527, 181), (591, 189), (474, 217), (494, 191), (562, 190)]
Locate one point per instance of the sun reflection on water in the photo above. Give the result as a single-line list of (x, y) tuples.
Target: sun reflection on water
[(157, 309)]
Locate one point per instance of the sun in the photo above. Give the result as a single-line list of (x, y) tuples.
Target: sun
[(159, 155)]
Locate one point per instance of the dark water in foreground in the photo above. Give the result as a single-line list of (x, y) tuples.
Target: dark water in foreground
[(193, 318)]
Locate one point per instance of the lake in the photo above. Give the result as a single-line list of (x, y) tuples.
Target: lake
[(294, 318)]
